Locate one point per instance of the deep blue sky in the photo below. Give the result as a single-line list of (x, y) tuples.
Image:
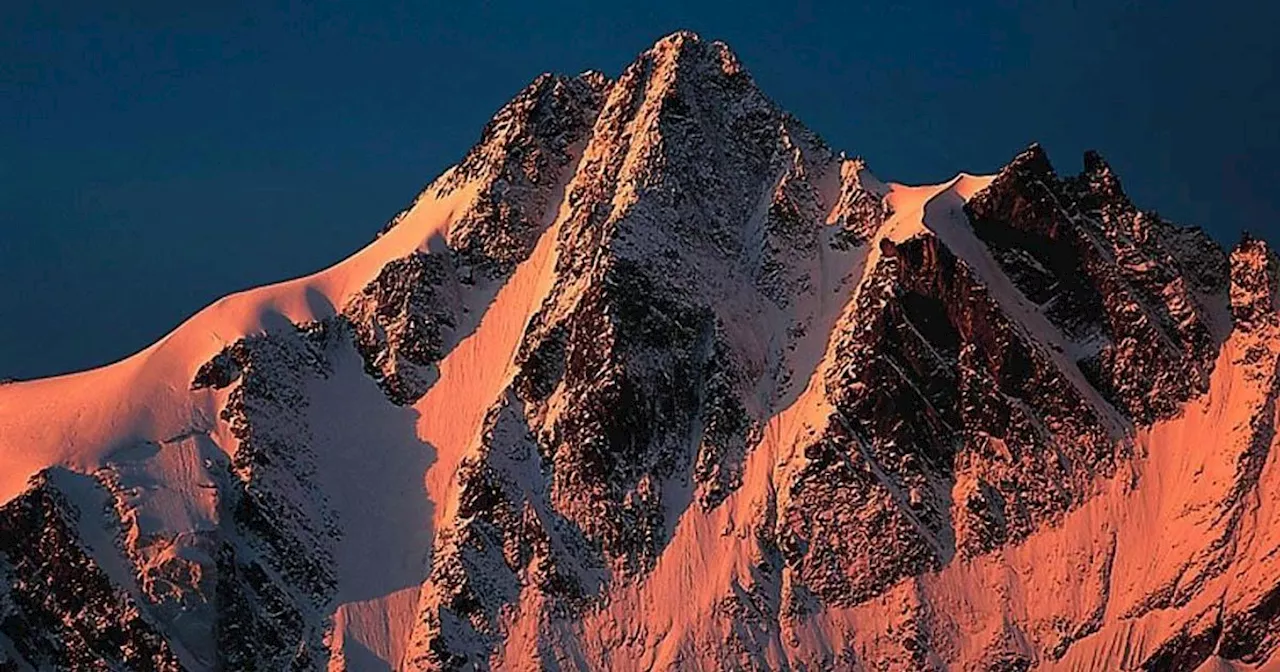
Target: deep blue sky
[(154, 159)]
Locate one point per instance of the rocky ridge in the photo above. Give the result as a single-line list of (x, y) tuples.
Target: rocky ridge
[(761, 411)]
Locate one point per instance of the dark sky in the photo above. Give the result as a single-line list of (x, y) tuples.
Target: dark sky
[(156, 158)]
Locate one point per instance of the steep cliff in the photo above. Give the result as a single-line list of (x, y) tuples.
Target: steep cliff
[(655, 379)]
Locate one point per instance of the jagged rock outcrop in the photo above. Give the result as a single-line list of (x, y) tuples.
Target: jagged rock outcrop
[(58, 608), (512, 177), (1124, 285), (953, 431), (402, 320), (654, 379), (276, 566), (632, 319)]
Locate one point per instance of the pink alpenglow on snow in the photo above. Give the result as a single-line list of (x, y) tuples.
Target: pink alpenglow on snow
[(653, 378)]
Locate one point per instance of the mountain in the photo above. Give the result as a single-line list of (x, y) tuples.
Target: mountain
[(653, 378)]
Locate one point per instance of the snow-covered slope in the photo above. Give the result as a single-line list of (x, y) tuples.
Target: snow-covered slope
[(654, 379)]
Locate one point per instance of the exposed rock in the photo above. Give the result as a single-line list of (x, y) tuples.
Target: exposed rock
[(679, 388), (402, 321), (1128, 288), (58, 609)]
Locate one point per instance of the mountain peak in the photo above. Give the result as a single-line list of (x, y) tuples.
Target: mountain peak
[(1030, 162), (1094, 163), (1255, 281), (675, 41), (682, 42), (654, 379), (685, 54)]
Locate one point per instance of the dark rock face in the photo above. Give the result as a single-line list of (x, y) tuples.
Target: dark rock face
[(515, 166), (280, 567), (692, 244), (402, 321), (57, 606), (955, 430), (1250, 636), (1255, 274), (727, 426), (625, 430), (937, 394), (1128, 287), (627, 381), (520, 158), (635, 362), (280, 572), (508, 538), (861, 208), (273, 462), (405, 319), (1186, 650), (791, 234)]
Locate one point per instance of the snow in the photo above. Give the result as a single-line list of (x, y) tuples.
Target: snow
[(79, 420), (385, 469), (159, 440), (373, 635), (1185, 530), (389, 472), (479, 367), (1108, 555), (169, 486), (372, 466), (710, 553), (940, 211)]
